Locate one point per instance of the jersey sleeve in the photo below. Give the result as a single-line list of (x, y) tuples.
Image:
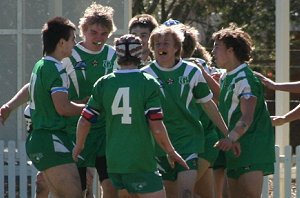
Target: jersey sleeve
[(95, 101), (243, 87), (92, 109), (55, 79), (201, 90)]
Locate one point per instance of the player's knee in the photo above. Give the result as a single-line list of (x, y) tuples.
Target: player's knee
[(108, 187), (41, 189), (41, 186)]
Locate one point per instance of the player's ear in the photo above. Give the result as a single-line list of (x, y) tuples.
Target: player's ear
[(61, 42)]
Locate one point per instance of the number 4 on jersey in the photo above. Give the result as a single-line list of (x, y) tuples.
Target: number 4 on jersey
[(122, 95)]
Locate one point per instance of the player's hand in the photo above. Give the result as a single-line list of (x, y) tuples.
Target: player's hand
[(174, 157), (216, 76), (270, 84), (224, 144), (278, 120), (4, 113), (76, 151), (236, 149)]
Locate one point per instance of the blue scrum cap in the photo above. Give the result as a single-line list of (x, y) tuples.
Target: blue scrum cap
[(171, 22)]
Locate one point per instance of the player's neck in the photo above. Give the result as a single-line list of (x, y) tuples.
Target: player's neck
[(126, 67), (56, 55)]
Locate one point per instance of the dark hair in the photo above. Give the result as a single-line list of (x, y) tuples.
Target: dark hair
[(55, 29), (237, 39), (143, 21)]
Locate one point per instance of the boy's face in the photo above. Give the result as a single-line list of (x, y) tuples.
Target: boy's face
[(69, 44), (144, 34), (220, 53), (164, 49), (95, 36)]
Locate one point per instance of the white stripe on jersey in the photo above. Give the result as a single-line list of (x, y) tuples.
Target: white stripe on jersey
[(150, 71), (238, 88)]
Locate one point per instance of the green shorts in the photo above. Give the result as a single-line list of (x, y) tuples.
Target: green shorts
[(47, 149), (210, 152), (88, 155), (169, 173), (267, 169), (137, 183)]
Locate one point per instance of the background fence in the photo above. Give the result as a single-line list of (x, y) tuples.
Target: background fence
[(17, 174)]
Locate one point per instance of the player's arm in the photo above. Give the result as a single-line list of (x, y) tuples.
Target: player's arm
[(293, 87), (213, 113), (20, 98), (161, 136), (292, 115), (88, 116), (83, 127), (247, 105), (213, 85), (63, 106)]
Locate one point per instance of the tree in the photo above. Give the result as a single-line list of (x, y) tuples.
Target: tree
[(257, 17)]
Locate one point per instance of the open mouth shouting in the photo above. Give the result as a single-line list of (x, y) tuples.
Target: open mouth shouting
[(162, 53), (97, 43)]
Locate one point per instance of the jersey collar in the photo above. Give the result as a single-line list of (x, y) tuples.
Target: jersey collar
[(50, 58), (123, 71), (238, 68), (168, 69)]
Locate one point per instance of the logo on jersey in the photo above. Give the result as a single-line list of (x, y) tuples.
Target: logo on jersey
[(81, 65), (170, 81), (36, 157), (139, 186), (184, 80), (107, 64)]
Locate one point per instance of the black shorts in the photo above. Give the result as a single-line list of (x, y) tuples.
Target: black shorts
[(101, 168)]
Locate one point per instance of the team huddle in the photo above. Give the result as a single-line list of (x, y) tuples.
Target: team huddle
[(151, 114)]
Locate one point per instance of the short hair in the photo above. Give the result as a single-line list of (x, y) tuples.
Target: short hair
[(237, 39), (143, 21), (163, 30), (53, 30), (129, 49), (97, 14)]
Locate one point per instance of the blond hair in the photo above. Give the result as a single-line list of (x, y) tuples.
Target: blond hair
[(163, 30), (97, 14)]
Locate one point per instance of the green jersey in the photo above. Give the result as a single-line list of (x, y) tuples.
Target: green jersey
[(207, 124), (182, 86), (48, 76), (127, 98), (84, 68), (257, 144)]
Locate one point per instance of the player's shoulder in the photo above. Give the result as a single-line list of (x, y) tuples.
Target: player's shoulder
[(189, 63), (147, 75), (111, 49)]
